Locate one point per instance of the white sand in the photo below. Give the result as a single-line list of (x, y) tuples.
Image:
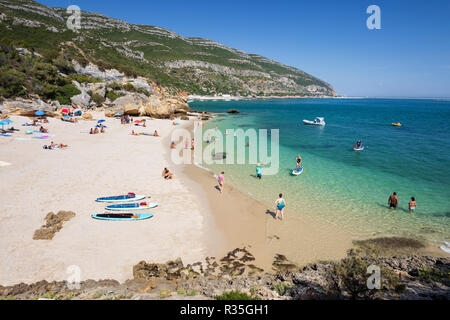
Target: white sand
[(39, 181)]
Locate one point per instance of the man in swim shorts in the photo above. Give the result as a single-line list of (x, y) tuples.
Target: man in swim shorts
[(412, 205), (281, 204), (393, 201)]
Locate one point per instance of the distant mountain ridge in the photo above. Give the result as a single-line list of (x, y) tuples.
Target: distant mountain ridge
[(177, 63)]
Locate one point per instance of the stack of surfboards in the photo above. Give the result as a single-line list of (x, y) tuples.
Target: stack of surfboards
[(118, 206)]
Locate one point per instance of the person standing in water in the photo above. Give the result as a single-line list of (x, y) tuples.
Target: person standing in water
[(393, 201), (259, 170), (220, 180), (281, 204), (412, 205)]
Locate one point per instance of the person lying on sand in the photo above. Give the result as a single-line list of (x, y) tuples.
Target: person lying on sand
[(134, 133), (167, 174), (172, 145)]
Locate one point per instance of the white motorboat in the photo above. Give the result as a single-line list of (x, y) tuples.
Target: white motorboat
[(318, 121)]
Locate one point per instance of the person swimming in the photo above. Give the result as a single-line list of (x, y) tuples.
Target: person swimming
[(412, 205), (280, 204)]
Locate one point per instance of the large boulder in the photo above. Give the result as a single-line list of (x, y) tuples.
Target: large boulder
[(81, 100), (27, 107)]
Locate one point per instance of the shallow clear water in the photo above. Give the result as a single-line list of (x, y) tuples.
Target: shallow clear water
[(348, 188)]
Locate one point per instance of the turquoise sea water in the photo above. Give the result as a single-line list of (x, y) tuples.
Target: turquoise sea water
[(347, 188)]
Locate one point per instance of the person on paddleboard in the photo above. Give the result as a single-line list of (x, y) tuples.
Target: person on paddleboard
[(358, 144), (299, 161)]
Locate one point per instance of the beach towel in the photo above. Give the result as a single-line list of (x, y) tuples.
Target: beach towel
[(4, 164), (43, 137), (5, 135)]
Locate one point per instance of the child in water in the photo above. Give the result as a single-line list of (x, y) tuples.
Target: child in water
[(258, 170), (412, 205)]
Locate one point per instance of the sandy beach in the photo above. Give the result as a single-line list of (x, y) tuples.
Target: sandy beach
[(38, 181), (193, 220)]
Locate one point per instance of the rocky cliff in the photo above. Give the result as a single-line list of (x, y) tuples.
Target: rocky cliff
[(174, 62)]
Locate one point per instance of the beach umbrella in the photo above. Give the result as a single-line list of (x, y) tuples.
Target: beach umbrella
[(64, 111), (39, 113), (5, 122), (100, 121), (137, 121), (118, 114)]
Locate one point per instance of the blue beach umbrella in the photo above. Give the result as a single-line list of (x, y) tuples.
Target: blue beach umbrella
[(5, 122), (118, 114), (39, 113), (100, 121)]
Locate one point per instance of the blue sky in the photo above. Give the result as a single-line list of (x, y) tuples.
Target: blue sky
[(408, 57)]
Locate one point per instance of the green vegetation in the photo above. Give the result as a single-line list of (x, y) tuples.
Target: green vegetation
[(104, 47), (235, 295), (21, 75), (434, 274), (282, 287), (98, 99)]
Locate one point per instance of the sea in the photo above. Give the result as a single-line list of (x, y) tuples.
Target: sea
[(348, 188)]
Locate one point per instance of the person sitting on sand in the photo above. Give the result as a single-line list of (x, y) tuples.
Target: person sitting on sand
[(156, 133), (172, 145), (281, 204), (95, 130), (192, 144), (91, 131), (43, 130), (102, 129), (167, 174), (393, 201), (412, 205)]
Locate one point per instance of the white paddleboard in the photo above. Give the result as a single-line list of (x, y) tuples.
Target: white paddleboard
[(297, 173)]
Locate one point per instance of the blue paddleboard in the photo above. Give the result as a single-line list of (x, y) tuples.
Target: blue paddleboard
[(122, 216)]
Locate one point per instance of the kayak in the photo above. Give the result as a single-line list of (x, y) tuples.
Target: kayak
[(296, 172), (122, 216), (131, 206), (122, 198), (359, 149)]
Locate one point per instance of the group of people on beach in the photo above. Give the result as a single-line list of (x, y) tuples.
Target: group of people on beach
[(97, 129), (393, 202)]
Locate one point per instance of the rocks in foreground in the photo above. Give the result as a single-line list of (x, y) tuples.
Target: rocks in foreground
[(54, 223), (235, 275)]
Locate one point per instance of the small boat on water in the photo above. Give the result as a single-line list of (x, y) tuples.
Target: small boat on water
[(397, 124), (318, 121)]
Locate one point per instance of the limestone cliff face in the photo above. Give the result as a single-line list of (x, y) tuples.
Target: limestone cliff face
[(177, 63)]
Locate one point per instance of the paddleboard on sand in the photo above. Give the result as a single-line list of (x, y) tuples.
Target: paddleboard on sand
[(131, 206), (122, 216), (122, 198), (297, 172)]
